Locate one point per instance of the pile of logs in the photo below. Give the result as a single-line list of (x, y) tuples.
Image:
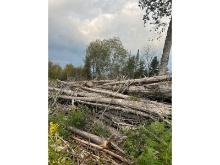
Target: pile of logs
[(119, 104), (115, 97)]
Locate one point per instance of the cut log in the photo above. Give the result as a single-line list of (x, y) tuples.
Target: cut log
[(102, 149), (156, 91), (147, 80), (125, 110), (77, 83), (150, 107), (74, 93), (102, 142), (105, 92), (91, 137)]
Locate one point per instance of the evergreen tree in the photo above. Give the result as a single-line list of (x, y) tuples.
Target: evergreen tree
[(154, 67), (87, 69)]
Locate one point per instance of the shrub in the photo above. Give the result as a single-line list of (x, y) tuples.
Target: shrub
[(55, 147), (99, 130), (153, 143), (76, 118)]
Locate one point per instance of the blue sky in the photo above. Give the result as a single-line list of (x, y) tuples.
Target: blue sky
[(73, 24)]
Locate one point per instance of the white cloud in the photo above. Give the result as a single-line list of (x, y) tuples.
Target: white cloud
[(74, 24)]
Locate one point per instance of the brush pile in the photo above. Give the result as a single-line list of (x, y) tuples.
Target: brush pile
[(117, 105)]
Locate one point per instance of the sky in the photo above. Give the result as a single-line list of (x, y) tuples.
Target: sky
[(73, 24)]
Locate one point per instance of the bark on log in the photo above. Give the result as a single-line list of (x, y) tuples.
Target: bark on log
[(157, 91), (125, 110), (109, 93), (161, 90), (77, 83), (153, 108), (103, 149), (147, 80), (74, 93), (102, 142), (91, 137)]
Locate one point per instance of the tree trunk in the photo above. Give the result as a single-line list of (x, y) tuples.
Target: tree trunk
[(105, 92), (166, 51), (91, 137), (146, 80), (150, 107), (103, 149), (117, 108)]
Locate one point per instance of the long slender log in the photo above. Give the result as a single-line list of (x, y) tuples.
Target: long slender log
[(117, 121), (154, 108), (91, 137), (95, 139), (125, 110), (74, 93), (161, 90), (77, 83), (113, 94), (147, 80), (157, 91), (102, 149)]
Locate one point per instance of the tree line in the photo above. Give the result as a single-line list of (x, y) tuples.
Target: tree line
[(108, 59)]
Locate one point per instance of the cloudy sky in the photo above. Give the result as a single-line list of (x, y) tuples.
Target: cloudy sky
[(73, 24)]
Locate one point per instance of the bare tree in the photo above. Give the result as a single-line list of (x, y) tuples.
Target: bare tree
[(148, 57)]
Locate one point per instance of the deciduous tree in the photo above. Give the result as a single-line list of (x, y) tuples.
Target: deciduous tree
[(158, 13)]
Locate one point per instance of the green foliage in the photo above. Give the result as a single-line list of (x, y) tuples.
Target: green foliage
[(156, 12), (54, 71), (104, 58), (150, 144), (69, 72), (56, 153), (154, 67), (56, 157), (129, 68), (134, 66), (99, 130), (76, 118)]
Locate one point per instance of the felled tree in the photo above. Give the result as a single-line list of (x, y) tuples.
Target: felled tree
[(157, 12)]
